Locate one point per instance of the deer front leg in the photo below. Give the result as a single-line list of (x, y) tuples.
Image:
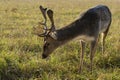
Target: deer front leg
[(92, 52), (81, 55)]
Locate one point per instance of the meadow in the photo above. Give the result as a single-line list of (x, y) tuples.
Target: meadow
[(20, 49)]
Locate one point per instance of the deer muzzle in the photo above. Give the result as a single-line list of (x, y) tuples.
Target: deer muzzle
[(44, 56)]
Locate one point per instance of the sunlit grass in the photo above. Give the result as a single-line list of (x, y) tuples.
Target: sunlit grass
[(20, 50)]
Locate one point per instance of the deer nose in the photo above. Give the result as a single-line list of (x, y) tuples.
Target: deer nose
[(44, 56)]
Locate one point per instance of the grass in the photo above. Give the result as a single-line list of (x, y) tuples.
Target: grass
[(20, 50)]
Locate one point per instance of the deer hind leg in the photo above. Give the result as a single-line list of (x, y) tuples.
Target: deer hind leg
[(92, 52), (81, 55), (103, 42), (104, 34)]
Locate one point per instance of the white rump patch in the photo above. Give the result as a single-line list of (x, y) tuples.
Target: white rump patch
[(85, 38)]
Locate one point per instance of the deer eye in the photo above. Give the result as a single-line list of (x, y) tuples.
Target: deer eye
[(47, 44)]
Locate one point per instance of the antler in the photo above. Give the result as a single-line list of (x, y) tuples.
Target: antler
[(46, 30), (43, 11), (50, 15), (52, 29)]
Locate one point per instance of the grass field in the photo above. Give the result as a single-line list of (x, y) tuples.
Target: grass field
[(20, 50)]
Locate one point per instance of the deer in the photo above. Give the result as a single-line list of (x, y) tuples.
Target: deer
[(88, 27)]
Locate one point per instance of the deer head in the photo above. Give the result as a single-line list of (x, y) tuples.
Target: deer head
[(49, 35)]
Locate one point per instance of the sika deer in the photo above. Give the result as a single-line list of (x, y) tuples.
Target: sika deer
[(87, 28)]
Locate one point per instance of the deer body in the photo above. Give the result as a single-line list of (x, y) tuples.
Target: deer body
[(91, 23), (87, 28)]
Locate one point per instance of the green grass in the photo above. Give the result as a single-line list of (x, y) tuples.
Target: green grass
[(20, 50)]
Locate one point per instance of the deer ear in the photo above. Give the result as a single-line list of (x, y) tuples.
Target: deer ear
[(53, 35)]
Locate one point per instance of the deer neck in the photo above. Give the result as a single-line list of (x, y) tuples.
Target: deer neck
[(70, 32)]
